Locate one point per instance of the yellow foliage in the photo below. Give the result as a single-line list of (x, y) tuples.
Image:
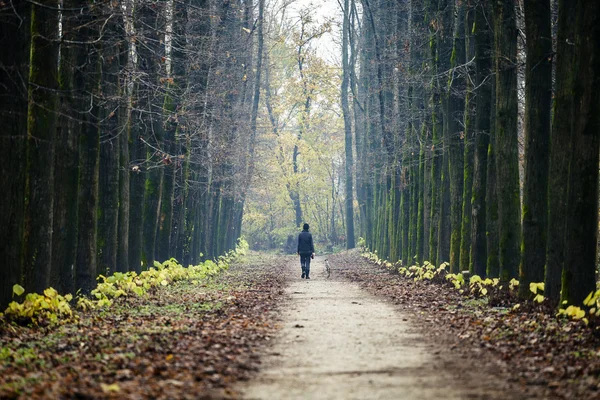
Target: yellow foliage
[(51, 307)]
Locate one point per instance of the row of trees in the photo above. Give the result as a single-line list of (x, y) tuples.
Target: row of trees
[(436, 92), (128, 134)]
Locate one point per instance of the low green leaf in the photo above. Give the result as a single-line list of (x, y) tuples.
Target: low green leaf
[(588, 300), (539, 298), (533, 288), (18, 289)]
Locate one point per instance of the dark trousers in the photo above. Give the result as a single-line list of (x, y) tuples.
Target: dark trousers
[(305, 263)]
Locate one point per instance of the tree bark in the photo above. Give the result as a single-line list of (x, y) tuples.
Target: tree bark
[(469, 141), (66, 163), (349, 197), (455, 137), (14, 58), (483, 127), (150, 53), (137, 183), (579, 273), (560, 150), (87, 83), (507, 161), (124, 200), (41, 132), (254, 111), (491, 212), (173, 114), (445, 223), (538, 94), (108, 213)]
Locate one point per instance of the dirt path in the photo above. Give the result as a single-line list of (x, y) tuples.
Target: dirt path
[(339, 342)]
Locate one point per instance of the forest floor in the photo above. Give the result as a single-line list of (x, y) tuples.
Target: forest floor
[(259, 331), (181, 341), (528, 353)]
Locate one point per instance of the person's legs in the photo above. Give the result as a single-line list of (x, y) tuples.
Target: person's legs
[(307, 267), (303, 259)]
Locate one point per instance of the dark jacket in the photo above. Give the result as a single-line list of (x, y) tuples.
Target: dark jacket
[(305, 243)]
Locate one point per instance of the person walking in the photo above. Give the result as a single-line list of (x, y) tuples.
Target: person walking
[(306, 250)]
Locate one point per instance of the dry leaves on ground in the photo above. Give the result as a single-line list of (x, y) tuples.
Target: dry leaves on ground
[(182, 341), (546, 356)]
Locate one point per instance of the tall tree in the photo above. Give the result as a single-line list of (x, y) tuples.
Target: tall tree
[(87, 84), (437, 134), (469, 138), (66, 159), (579, 271), (491, 204), (108, 206), (151, 53), (349, 198), (173, 113), (14, 60), (41, 130), (455, 134), (507, 161), (124, 140), (483, 82), (538, 93), (560, 149), (255, 105)]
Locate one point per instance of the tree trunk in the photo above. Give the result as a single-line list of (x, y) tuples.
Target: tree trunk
[(507, 161), (538, 93), (483, 127), (469, 142), (423, 208), (560, 149), (154, 187), (66, 164), (436, 188), (491, 210), (87, 215), (173, 113), (579, 273), (445, 224), (166, 212), (41, 131), (349, 198), (151, 28), (14, 58), (440, 41), (87, 82), (124, 200), (215, 223), (180, 203), (253, 117), (137, 183), (124, 153), (108, 213), (455, 138)]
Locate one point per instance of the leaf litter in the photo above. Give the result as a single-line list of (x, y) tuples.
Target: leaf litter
[(197, 341), (540, 355), (184, 341)]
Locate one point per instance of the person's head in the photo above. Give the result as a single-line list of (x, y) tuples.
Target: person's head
[(305, 227)]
